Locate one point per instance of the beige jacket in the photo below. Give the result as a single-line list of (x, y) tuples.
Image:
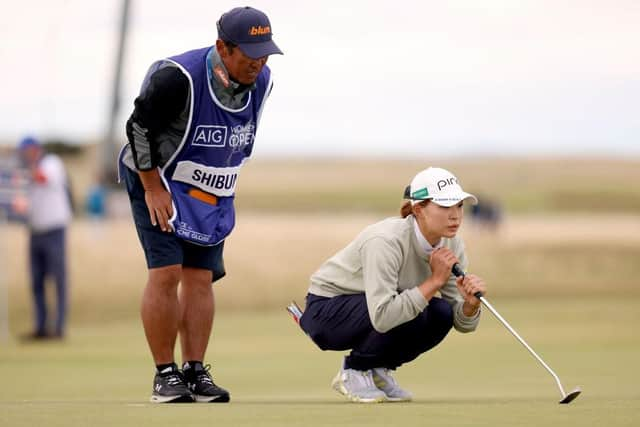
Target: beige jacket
[(386, 262)]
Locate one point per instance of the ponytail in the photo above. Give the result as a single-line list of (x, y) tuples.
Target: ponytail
[(406, 209)]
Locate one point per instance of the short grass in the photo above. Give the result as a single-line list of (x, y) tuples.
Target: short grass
[(101, 375)]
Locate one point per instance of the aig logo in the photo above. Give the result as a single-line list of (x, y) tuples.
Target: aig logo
[(210, 136)]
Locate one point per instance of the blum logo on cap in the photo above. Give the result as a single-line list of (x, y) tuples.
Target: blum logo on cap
[(259, 30)]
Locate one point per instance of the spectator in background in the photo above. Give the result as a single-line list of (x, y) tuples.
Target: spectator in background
[(48, 215), (487, 214), (95, 203)]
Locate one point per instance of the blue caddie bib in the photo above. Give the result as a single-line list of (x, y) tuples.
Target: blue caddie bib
[(216, 143)]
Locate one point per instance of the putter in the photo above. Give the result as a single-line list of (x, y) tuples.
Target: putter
[(566, 397), (295, 311)]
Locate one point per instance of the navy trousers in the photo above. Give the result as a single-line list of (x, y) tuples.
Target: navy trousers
[(47, 257), (343, 323)]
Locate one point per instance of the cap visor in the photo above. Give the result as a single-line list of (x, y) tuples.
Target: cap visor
[(449, 200), (259, 50)]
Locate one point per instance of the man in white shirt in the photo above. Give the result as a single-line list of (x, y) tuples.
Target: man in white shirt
[(49, 214)]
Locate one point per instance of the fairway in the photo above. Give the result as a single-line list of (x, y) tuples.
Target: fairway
[(101, 375)]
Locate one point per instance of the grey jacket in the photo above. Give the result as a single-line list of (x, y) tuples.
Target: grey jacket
[(386, 262)]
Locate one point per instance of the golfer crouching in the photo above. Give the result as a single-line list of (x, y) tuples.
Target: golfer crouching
[(390, 296)]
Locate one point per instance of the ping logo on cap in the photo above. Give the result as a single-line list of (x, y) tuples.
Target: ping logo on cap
[(448, 181), (259, 30)]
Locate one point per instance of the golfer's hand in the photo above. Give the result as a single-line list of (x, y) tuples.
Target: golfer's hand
[(441, 261), (160, 208), (469, 285)]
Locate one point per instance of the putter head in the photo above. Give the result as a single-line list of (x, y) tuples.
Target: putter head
[(571, 395)]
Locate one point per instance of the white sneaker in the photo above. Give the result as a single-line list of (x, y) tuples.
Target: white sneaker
[(357, 386), (383, 379)]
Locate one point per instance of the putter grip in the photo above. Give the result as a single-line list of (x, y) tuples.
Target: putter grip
[(458, 272)]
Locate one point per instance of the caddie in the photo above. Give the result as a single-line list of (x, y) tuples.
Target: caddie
[(192, 129)]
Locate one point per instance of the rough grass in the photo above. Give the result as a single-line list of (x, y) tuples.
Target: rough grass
[(270, 257), (520, 185), (538, 185)]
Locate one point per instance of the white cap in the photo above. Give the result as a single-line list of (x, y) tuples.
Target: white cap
[(438, 185)]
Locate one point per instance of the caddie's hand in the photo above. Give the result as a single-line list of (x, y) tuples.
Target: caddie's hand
[(160, 208), (469, 285), (441, 261)]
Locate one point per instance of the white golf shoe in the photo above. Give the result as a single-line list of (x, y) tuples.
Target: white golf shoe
[(383, 380), (357, 386)]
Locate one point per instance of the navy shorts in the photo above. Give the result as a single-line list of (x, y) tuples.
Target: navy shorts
[(161, 248)]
